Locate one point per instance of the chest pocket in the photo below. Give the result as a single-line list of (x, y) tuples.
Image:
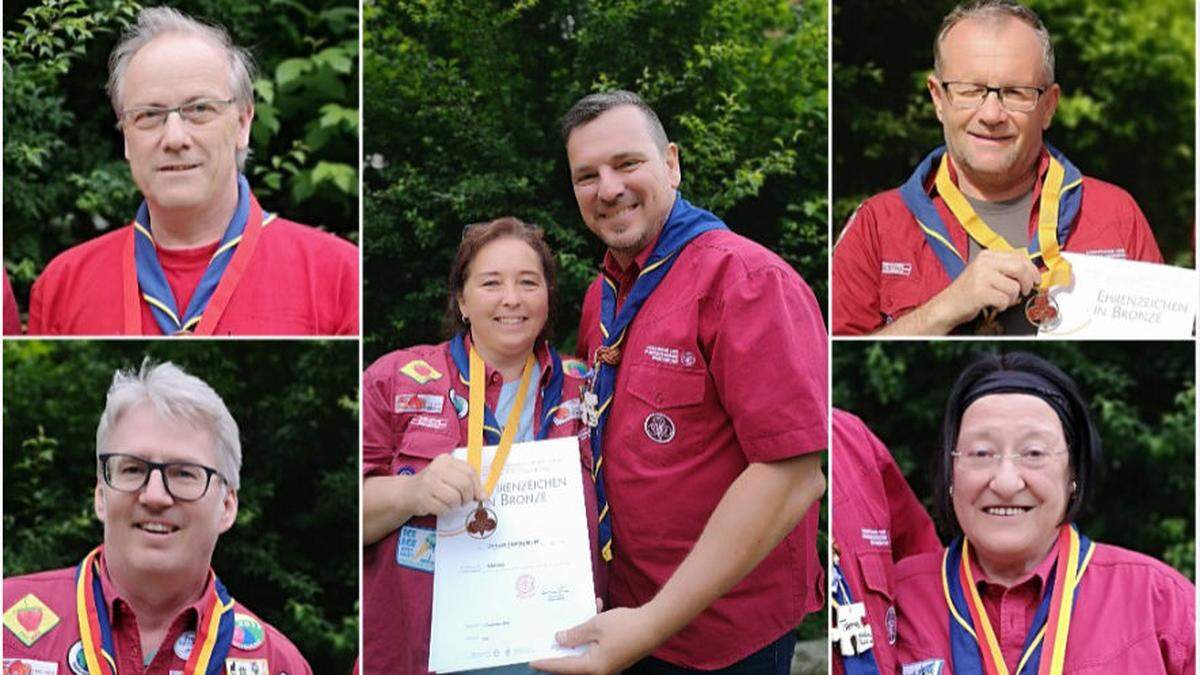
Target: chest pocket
[(663, 416), (418, 446), (899, 295)]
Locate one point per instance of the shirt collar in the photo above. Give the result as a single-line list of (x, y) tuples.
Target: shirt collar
[(541, 351), (193, 611), (613, 269), (1037, 577)]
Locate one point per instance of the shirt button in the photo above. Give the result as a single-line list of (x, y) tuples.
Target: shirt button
[(658, 398)]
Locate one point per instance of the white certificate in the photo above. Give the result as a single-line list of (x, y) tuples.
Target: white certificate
[(505, 581), (1113, 298)]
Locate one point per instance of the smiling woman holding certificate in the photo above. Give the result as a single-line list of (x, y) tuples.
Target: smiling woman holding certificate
[(1022, 589), (421, 403)]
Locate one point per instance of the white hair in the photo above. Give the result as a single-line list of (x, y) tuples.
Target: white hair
[(154, 22), (176, 397)]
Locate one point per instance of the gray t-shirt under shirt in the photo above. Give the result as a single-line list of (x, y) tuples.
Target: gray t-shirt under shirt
[(1010, 220)]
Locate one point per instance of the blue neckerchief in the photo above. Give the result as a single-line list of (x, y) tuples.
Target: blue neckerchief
[(551, 393), (153, 281), (964, 648), (684, 223), (858, 664), (917, 199)]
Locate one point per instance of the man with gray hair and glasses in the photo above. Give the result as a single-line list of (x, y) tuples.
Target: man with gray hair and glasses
[(147, 599), (972, 241), (201, 256)]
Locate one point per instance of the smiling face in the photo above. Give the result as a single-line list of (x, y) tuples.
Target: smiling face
[(183, 166), (148, 532), (1011, 515), (994, 150), (505, 299), (624, 184)]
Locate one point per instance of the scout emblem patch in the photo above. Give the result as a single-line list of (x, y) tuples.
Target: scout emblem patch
[(248, 633), (419, 403), (29, 619), (246, 667), (76, 659), (415, 548), (459, 403), (576, 368), (659, 428), (420, 371), (29, 667)]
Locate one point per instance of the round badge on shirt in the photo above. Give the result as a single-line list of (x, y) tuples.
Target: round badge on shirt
[(184, 643), (659, 427), (890, 620), (248, 633), (76, 659)]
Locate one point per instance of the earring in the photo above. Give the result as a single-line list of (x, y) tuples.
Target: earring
[(1073, 486), (466, 320), (951, 490)]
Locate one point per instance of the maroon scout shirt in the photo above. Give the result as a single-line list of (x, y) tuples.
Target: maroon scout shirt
[(883, 267), (1133, 614), (728, 357), (399, 438), (300, 281), (12, 315), (877, 521), (54, 643)]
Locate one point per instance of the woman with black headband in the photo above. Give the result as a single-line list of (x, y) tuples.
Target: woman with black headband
[(1021, 590)]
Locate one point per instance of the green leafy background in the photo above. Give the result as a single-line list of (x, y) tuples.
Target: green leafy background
[(1127, 113), (462, 99), (65, 176), (292, 556), (1142, 397)]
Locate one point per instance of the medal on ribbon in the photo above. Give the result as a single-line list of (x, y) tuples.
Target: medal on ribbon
[(214, 633), (973, 642), (1059, 203), (684, 223)]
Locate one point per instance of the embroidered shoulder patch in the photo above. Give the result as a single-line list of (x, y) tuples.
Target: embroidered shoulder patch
[(927, 667), (29, 619), (248, 633), (576, 368), (420, 371), (415, 547), (246, 667), (419, 403), (29, 667)]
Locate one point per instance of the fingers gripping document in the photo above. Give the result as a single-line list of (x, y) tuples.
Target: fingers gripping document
[(510, 572)]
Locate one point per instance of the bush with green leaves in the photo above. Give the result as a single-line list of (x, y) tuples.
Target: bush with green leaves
[(292, 555), (65, 177), (462, 100)]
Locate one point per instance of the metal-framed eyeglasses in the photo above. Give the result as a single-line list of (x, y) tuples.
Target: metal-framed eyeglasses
[(184, 481), (1032, 458), (149, 118), (970, 96)]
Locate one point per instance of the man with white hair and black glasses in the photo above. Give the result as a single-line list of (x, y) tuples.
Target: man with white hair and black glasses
[(201, 255), (147, 600)]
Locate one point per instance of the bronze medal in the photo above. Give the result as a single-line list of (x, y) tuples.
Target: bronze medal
[(481, 522), (989, 324), (1042, 310)]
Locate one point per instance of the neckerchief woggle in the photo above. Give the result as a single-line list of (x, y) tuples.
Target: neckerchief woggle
[(973, 644), (1061, 196), (551, 392), (214, 632), (684, 223), (839, 594), (219, 278)]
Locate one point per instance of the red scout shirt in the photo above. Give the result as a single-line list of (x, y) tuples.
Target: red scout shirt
[(53, 646), (1133, 614), (397, 570), (12, 315), (300, 281), (883, 267), (877, 521), (731, 349)]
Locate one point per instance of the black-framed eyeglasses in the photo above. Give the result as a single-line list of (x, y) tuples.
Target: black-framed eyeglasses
[(149, 118), (969, 96), (184, 481)]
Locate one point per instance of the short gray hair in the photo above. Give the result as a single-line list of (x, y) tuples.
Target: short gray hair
[(995, 11), (592, 106), (154, 22), (176, 397)]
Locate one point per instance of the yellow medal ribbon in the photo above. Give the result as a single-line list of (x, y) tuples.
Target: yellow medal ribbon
[(475, 421), (1058, 270)]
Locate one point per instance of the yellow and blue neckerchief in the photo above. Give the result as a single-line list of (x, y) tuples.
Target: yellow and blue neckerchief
[(551, 392), (214, 633), (856, 664), (684, 223), (973, 644), (1056, 216), (152, 281)]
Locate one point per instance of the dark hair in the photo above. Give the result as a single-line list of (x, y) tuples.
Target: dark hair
[(474, 238), (592, 106), (1014, 372)]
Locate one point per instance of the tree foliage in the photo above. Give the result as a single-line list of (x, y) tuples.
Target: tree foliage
[(1142, 397), (293, 554), (1127, 112), (65, 177), (462, 100)]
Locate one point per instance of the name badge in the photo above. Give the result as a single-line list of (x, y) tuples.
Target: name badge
[(414, 548), (927, 667), (30, 667)]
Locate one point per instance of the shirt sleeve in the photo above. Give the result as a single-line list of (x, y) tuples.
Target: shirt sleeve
[(348, 322), (769, 362), (912, 528), (37, 307), (1142, 245), (855, 283)]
